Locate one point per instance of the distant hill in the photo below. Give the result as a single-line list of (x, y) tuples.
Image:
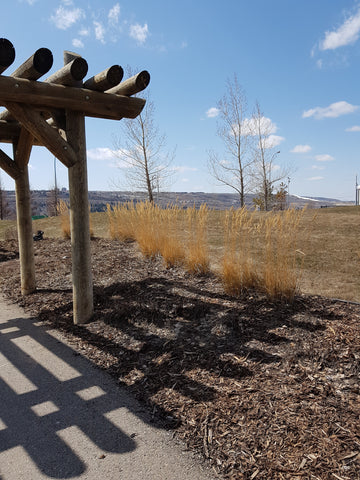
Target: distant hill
[(219, 201)]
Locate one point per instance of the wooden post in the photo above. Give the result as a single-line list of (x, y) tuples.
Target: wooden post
[(22, 151), (79, 221)]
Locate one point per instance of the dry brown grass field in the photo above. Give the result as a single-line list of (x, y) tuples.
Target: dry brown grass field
[(327, 244)]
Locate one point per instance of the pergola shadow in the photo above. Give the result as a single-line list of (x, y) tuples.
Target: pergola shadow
[(46, 390)]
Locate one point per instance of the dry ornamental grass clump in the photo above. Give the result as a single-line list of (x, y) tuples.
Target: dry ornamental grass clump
[(63, 210), (197, 251), (259, 251)]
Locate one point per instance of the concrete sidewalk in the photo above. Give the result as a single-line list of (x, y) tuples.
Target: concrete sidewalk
[(60, 417)]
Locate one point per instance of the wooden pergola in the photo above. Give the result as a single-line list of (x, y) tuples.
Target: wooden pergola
[(52, 114)]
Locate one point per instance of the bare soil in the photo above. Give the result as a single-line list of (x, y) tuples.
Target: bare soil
[(263, 390)]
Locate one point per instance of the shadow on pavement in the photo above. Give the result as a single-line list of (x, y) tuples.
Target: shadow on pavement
[(45, 388)]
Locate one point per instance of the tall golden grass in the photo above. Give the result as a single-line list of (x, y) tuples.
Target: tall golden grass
[(260, 250), (63, 211), (197, 251), (175, 234), (280, 270), (239, 271)]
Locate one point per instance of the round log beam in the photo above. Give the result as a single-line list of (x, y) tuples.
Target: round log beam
[(36, 65), (132, 85), (7, 54), (107, 79), (70, 74)]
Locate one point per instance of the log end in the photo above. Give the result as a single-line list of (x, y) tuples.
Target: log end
[(43, 60), (79, 68), (142, 80), (114, 75), (7, 54)]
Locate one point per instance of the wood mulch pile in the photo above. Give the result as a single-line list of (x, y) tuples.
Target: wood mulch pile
[(262, 390)]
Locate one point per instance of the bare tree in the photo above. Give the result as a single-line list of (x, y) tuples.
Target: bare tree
[(142, 150), (265, 173), (232, 168)]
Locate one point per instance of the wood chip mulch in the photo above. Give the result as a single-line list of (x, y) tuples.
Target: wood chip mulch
[(263, 390)]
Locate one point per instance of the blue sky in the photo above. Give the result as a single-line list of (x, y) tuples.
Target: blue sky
[(299, 59)]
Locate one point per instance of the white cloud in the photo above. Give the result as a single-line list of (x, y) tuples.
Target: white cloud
[(112, 157), (64, 18), (346, 34), (250, 125), (317, 167), (355, 128), (84, 32), (332, 111), (301, 149), (273, 141), (99, 32), (324, 158), (183, 168), (77, 43), (314, 179), (212, 112), (101, 153), (114, 14), (139, 33)]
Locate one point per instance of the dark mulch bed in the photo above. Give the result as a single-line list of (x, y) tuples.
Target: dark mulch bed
[(262, 390)]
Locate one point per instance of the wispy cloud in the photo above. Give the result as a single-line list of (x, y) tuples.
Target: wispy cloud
[(77, 43), (301, 149), (113, 15), (212, 112), (84, 32), (101, 153), (184, 168), (347, 34), (355, 128), (273, 141), (99, 31), (332, 111), (324, 158), (314, 179), (317, 167), (139, 33), (64, 18)]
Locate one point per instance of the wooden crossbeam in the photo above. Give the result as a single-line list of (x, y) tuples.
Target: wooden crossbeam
[(9, 166), (39, 128), (48, 96)]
